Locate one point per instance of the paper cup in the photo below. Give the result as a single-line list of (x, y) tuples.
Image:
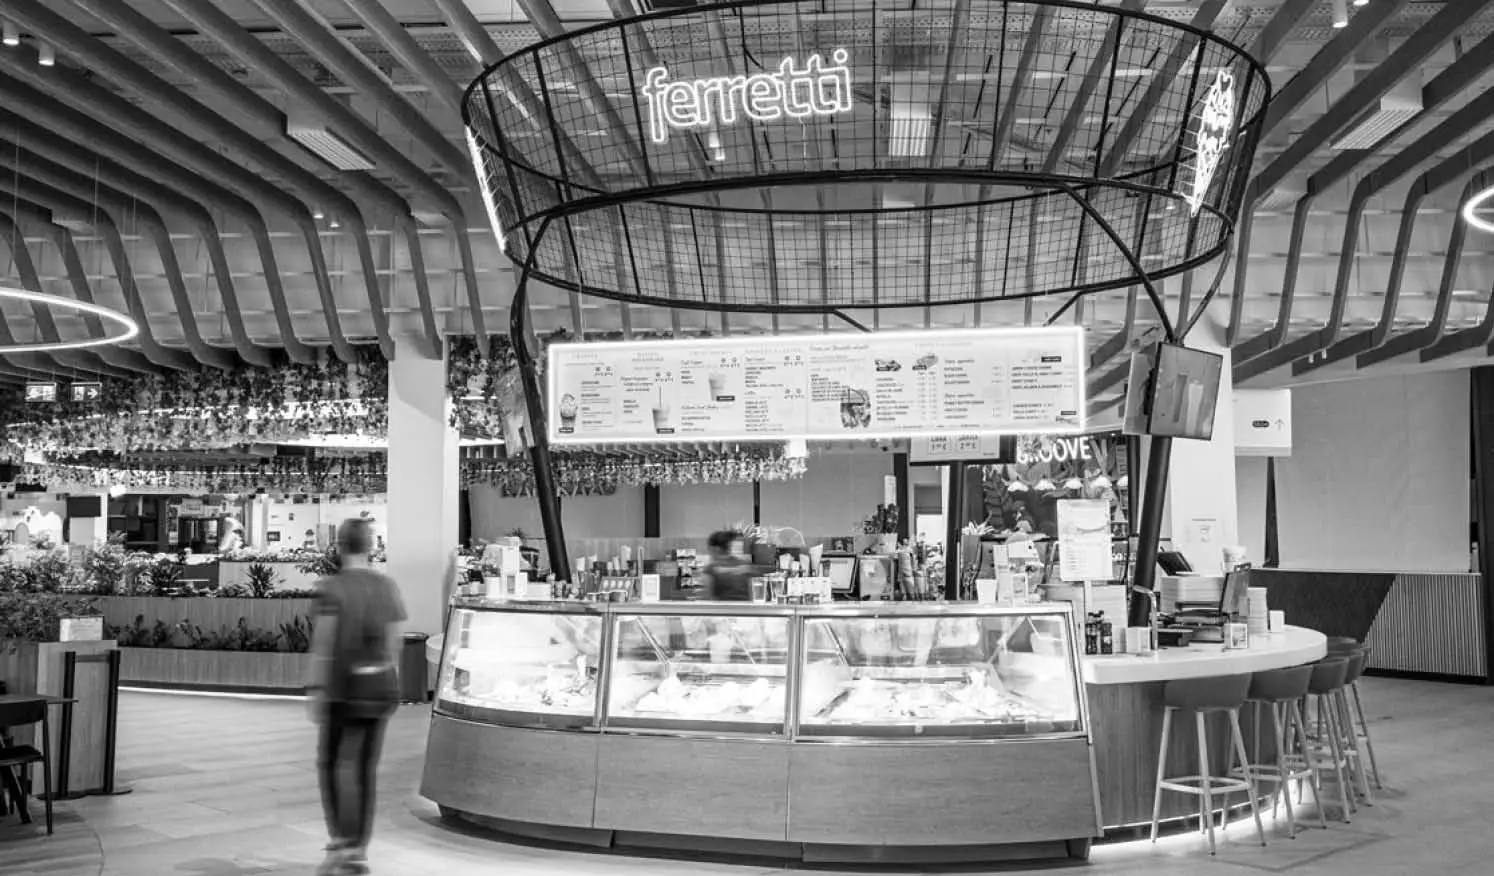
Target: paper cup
[(1138, 640), (985, 590), (1278, 621)]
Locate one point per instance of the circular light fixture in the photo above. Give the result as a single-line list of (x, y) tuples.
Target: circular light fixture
[(317, 214), (46, 55), (334, 224), (127, 327), (12, 34), (1476, 203)]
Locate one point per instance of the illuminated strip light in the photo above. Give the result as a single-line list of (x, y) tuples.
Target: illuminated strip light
[(487, 190), (814, 91), (1212, 138), (129, 326), (1475, 203)]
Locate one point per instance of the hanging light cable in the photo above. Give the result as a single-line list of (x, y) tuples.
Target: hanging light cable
[(1340, 14)]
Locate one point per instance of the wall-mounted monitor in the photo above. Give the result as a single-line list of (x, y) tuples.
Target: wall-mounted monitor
[(1173, 392)]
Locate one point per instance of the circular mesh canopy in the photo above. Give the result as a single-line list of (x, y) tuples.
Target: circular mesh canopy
[(809, 156)]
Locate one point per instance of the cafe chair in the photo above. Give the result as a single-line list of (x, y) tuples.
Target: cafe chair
[(1200, 697), (14, 758)]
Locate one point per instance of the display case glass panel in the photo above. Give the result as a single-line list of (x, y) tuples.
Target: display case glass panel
[(700, 672), (522, 667), (980, 674)]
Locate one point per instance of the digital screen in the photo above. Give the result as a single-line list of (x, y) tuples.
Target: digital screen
[(1185, 392)]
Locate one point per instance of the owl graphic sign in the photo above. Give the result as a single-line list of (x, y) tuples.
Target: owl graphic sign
[(1216, 118)]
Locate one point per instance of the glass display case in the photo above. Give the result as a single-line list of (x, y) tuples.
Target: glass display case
[(807, 673), (530, 668), (717, 672), (979, 674)]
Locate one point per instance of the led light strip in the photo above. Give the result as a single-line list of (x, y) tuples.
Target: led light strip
[(128, 325), (1475, 204)]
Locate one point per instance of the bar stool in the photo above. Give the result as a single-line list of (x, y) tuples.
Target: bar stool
[(1324, 751), (1360, 723), (1345, 715), (1201, 696), (1280, 690), (1343, 646)]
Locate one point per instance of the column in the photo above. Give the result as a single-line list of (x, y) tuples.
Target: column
[(423, 486), (1202, 513)]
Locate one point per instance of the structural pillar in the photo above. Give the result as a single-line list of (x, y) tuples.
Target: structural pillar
[(423, 485)]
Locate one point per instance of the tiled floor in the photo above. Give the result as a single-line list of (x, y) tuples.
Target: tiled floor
[(224, 787)]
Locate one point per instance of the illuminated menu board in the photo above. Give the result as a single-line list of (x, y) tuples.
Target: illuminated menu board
[(825, 387)]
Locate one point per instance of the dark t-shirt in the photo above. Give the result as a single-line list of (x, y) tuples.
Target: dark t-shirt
[(731, 580), (365, 603)]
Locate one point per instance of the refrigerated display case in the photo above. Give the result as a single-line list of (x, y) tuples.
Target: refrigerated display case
[(825, 732)]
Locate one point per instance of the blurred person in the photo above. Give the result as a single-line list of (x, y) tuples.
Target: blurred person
[(728, 572), (352, 692)]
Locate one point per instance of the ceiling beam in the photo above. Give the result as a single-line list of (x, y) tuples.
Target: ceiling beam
[(75, 128)]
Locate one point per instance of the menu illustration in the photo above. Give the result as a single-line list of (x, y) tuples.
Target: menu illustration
[(976, 381)]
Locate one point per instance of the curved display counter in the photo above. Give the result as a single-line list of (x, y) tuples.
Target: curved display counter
[(873, 732), (1125, 705)]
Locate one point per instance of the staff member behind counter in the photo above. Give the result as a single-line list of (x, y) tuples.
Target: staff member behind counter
[(729, 574)]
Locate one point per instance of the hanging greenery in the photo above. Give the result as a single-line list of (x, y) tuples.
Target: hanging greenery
[(204, 409), (364, 473)]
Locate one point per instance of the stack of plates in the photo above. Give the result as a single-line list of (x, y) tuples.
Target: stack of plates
[(1191, 590), (1260, 614)]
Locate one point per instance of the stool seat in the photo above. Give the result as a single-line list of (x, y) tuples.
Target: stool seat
[(1328, 675), (1342, 640), (1207, 694), (1280, 685), (1356, 667)]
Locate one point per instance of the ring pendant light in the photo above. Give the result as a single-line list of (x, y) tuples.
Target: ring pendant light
[(1471, 210), (124, 327)]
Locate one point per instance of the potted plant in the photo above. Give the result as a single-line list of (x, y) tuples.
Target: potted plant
[(883, 524), (262, 579), (28, 621)]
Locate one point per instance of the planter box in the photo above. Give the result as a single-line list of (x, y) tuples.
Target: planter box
[(215, 670), (208, 612)]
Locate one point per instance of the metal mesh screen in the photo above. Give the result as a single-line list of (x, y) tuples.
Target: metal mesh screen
[(808, 156)]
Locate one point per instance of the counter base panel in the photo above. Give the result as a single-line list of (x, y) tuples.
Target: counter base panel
[(675, 785), (856, 801), (539, 776), (924, 794), (819, 854), (1127, 721)]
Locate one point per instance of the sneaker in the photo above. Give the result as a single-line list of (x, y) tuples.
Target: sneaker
[(336, 863), (357, 859)]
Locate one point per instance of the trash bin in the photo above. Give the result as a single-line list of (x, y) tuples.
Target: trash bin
[(412, 671)]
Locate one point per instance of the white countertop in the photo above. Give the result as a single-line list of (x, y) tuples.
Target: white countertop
[(1292, 646)]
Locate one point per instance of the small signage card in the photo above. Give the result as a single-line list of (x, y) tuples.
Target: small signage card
[(82, 629)]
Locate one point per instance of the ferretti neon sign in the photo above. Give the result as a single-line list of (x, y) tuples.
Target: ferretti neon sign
[(812, 91), (1213, 130)]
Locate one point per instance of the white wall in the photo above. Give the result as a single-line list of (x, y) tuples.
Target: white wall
[(699, 510), (1378, 478), (617, 516), (838, 491)]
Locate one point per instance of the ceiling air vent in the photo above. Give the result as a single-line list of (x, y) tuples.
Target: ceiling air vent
[(1394, 110), (311, 131)]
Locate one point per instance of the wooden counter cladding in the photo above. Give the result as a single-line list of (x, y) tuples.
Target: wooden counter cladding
[(845, 801)]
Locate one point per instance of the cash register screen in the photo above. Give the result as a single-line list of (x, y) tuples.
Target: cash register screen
[(841, 570), (1232, 600)]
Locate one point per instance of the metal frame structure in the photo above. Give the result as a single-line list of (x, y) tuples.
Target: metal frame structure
[(784, 215)]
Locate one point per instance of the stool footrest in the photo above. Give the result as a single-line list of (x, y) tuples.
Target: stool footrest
[(1194, 784)]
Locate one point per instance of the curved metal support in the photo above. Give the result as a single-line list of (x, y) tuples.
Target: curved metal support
[(859, 326), (1130, 257), (539, 444)]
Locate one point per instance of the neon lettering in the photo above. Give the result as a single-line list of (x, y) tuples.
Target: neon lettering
[(1215, 120), (814, 90)]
